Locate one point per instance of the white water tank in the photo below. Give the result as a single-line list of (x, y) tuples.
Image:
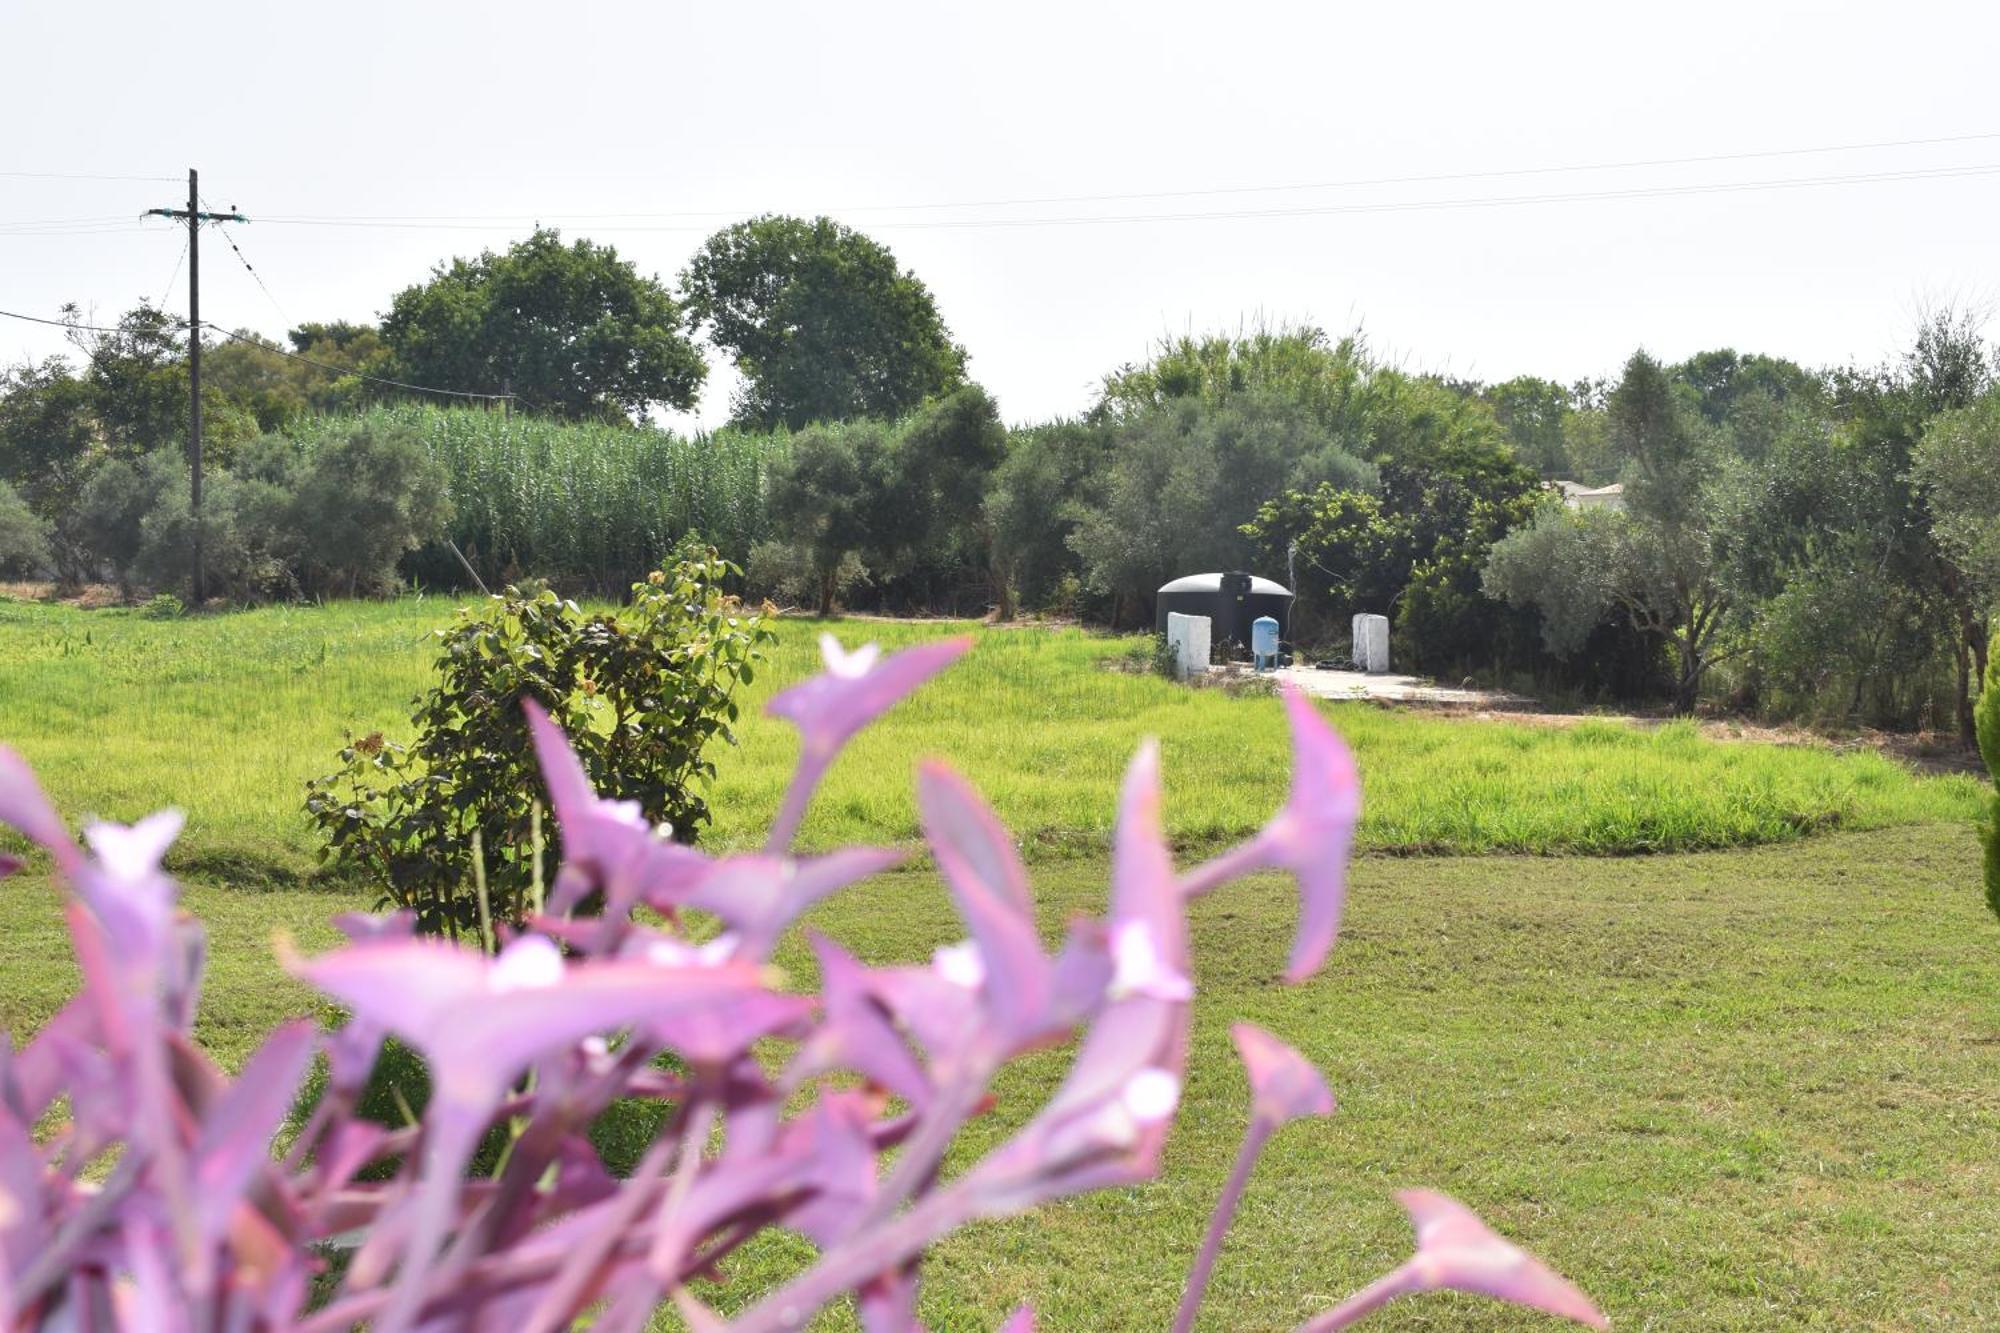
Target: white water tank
[(1188, 640), (1371, 644)]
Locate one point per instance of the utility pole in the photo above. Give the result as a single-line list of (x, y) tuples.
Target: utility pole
[(194, 217)]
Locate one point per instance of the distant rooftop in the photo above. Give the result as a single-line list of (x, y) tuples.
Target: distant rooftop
[(1578, 496)]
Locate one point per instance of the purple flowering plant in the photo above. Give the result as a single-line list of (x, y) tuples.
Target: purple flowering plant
[(829, 1114)]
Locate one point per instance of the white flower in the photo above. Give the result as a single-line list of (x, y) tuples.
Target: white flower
[(1151, 1095), (674, 953), (132, 854), (1139, 968), (961, 964), (1148, 1098), (530, 963), (846, 665)]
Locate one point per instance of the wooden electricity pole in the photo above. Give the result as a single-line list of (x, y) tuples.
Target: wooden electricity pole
[(194, 217)]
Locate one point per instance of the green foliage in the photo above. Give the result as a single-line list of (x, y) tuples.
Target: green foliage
[(573, 329), (106, 524), (820, 321), (1415, 551), (1957, 463), (24, 545), (366, 497), (1183, 480), (1534, 413), (277, 524), (1988, 724), (1328, 379), (163, 606), (588, 503), (883, 500), (644, 692), (1051, 476)]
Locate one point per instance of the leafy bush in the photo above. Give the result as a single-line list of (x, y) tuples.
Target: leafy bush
[(644, 690), (365, 498), (110, 513), (195, 1214), (23, 537), (244, 541), (163, 606)]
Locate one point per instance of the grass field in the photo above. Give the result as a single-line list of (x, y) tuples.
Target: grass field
[(1741, 1089), (1737, 1090), (227, 716)]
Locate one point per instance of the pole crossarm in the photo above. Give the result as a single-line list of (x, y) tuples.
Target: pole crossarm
[(183, 215)]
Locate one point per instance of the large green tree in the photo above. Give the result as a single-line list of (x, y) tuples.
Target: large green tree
[(571, 329), (820, 321), (1662, 562)]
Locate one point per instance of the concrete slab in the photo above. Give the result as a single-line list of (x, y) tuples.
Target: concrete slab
[(1393, 689)]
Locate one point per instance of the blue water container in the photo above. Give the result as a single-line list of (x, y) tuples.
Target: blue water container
[(1264, 642)]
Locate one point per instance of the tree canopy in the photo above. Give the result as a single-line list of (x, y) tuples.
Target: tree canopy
[(572, 330), (820, 321)]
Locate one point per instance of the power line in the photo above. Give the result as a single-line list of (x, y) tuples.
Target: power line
[(1310, 210), (61, 323), (287, 319), (94, 219), (1207, 191), (79, 176), (167, 292), (273, 347), (346, 371)]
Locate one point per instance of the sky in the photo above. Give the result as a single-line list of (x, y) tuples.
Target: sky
[(1073, 181)]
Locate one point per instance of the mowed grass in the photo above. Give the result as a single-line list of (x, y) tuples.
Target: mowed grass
[(226, 716), (1722, 1091)]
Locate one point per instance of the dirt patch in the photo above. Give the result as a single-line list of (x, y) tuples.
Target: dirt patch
[(91, 597), (1931, 753)]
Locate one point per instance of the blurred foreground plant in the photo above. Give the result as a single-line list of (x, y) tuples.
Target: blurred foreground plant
[(196, 1226)]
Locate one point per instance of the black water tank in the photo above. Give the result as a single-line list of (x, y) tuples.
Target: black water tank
[(1231, 602)]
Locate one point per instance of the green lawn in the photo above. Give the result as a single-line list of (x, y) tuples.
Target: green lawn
[(1723, 1090), (1731, 1090)]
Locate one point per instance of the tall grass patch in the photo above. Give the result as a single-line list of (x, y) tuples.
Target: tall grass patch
[(591, 504)]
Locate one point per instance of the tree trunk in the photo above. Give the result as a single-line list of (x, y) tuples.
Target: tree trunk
[(827, 579), (1961, 653), (1688, 691)]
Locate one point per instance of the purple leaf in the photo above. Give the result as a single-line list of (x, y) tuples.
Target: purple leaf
[(1458, 1252), (1456, 1249), (236, 1133), (606, 844), (1314, 834), (991, 889), (761, 895), (1283, 1084), (23, 805), (856, 688), (829, 708), (856, 1033)]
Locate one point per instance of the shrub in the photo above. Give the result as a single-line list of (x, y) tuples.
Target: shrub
[(23, 537), (643, 689), (365, 498), (193, 1214), (1987, 721), (236, 537), (163, 606), (111, 510)]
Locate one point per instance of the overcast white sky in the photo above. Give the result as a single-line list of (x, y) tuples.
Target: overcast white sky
[(505, 113)]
